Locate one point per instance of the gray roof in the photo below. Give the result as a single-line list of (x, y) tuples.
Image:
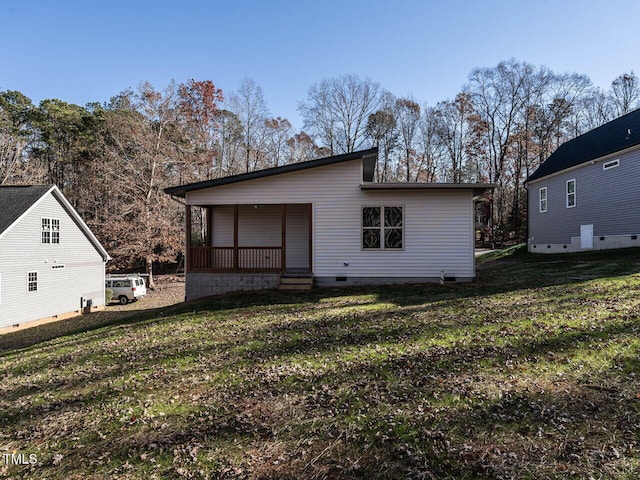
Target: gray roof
[(16, 199), (369, 161)]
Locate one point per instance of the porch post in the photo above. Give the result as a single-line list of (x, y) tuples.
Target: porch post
[(209, 238), (235, 238), (310, 236), (187, 237), (283, 254)]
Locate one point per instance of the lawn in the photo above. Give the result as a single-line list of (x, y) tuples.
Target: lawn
[(532, 371)]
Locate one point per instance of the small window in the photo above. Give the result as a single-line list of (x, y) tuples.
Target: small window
[(382, 228), (57, 266), (611, 164), (32, 282), (543, 199), (571, 193)]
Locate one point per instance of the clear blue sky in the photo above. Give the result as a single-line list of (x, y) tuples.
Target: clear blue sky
[(81, 51)]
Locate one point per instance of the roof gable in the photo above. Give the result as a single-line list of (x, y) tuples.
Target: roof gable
[(369, 158), (18, 200), (615, 136)]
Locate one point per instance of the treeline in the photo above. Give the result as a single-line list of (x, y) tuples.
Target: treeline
[(113, 160)]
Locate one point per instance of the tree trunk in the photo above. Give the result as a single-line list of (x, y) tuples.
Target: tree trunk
[(150, 283)]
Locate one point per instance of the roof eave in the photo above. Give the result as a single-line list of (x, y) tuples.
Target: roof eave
[(367, 156)]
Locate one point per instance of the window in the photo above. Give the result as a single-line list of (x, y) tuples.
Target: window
[(51, 230), (611, 164), (571, 193), (55, 230), (46, 230), (32, 282), (57, 266), (382, 228), (543, 199)]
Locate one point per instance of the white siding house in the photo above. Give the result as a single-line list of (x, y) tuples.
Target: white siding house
[(51, 265), (326, 217)]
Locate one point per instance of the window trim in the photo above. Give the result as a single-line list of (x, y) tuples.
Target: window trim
[(381, 228), (34, 281), (541, 200), (611, 164), (47, 231), (571, 194)]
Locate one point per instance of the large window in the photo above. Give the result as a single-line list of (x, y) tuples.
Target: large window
[(571, 193), (543, 199), (51, 230), (382, 228), (32, 282)]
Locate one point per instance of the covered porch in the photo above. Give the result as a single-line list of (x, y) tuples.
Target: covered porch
[(256, 238)]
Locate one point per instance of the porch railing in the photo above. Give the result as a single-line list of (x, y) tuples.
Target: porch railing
[(223, 259)]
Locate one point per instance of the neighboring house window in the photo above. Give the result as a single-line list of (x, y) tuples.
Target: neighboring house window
[(382, 228), (543, 199), (571, 193), (55, 230), (611, 164), (46, 230), (51, 230), (32, 282)]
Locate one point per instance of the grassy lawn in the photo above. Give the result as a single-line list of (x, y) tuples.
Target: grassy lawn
[(532, 371)]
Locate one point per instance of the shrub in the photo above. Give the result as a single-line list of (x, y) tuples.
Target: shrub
[(108, 295)]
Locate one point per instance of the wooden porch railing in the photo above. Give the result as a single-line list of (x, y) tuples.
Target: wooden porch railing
[(221, 259)]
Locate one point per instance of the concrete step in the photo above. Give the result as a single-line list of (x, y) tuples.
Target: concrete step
[(295, 286), (294, 280)]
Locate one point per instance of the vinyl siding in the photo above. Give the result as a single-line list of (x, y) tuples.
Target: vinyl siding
[(438, 235), (608, 199), (59, 291)]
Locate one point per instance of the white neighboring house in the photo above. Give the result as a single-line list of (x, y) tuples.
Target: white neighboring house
[(326, 220), (51, 265)]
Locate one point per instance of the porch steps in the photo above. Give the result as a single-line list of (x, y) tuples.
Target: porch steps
[(295, 282)]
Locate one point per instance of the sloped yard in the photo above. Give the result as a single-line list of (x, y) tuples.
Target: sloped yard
[(533, 372)]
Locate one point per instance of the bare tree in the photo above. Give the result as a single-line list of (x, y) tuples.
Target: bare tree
[(337, 111), (625, 93), (407, 113), (251, 109)]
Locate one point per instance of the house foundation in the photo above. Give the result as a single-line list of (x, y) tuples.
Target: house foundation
[(200, 285)]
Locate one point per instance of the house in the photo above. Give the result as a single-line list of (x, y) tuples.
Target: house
[(51, 265), (325, 221), (586, 195)]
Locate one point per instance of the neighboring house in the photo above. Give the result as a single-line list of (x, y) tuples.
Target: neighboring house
[(586, 195), (51, 265), (325, 221)]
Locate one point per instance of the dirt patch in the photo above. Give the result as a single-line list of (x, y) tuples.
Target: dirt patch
[(169, 290)]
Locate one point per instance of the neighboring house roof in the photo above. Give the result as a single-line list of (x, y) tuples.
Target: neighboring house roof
[(615, 136), (369, 158), (18, 200)]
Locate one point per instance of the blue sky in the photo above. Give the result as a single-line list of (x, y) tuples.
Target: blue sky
[(90, 50)]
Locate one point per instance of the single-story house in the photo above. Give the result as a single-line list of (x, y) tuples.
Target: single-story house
[(586, 194), (325, 221), (51, 265)]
